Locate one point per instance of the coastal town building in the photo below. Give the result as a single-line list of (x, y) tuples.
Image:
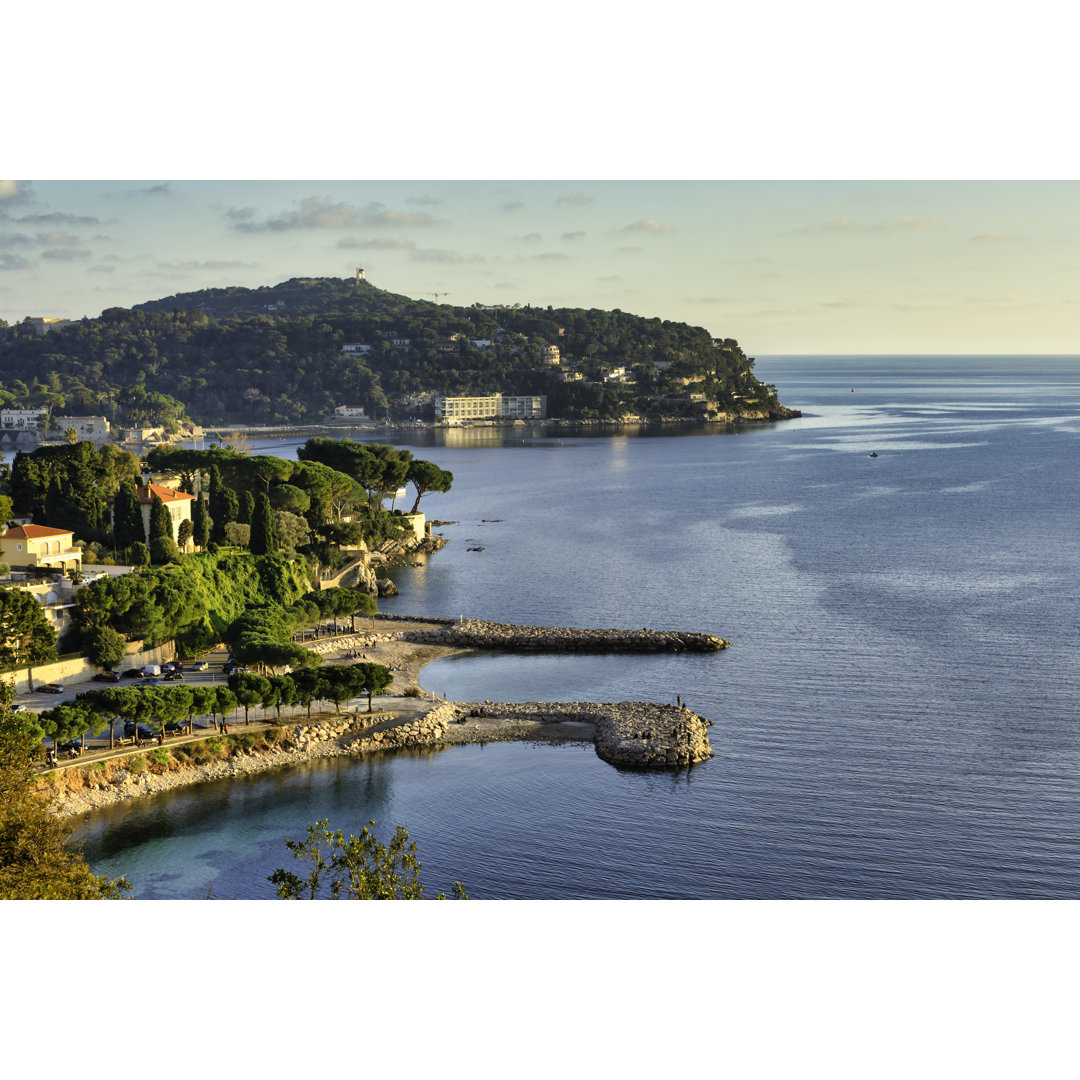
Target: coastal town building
[(178, 503), (350, 412), (23, 419), (40, 548), (42, 324), (491, 407), (355, 347), (95, 429), (550, 354)]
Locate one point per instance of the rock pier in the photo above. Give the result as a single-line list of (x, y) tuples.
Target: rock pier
[(476, 634)]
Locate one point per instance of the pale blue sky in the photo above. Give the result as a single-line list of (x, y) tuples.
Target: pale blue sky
[(764, 105), (783, 266)]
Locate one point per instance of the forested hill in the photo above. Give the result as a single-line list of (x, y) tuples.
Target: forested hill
[(277, 354)]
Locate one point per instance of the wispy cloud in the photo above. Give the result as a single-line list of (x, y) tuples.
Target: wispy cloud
[(649, 225), (574, 200), (14, 240), (423, 200), (206, 264), (376, 243), (157, 189), (58, 218), (549, 256), (15, 262), (529, 238), (54, 238), (315, 212), (577, 234), (993, 237), (65, 254), (439, 256), (883, 225), (512, 206), (101, 269)]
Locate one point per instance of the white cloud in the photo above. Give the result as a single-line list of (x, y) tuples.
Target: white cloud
[(315, 212), (377, 243), (649, 225)]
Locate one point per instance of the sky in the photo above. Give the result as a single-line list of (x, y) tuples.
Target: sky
[(783, 266), (807, 179)]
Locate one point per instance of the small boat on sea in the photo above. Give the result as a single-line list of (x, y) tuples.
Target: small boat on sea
[(873, 453)]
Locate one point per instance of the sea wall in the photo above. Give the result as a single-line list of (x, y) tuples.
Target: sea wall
[(637, 733), (476, 634)]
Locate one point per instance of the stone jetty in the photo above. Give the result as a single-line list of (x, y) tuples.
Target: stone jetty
[(477, 634), (636, 733)]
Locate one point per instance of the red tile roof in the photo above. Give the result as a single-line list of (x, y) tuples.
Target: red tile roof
[(33, 532), (166, 495)]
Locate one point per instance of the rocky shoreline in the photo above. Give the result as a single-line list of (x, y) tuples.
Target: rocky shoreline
[(634, 734), (628, 734)]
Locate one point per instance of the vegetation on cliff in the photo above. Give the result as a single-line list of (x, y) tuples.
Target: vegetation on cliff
[(274, 355)]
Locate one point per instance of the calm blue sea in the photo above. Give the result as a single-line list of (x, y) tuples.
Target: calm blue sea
[(897, 717)]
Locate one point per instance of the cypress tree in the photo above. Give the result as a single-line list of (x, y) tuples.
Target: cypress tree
[(200, 520), (184, 534), (218, 507), (247, 508), (160, 521), (263, 534), (127, 516)]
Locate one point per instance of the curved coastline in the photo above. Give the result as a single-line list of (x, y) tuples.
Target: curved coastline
[(631, 734)]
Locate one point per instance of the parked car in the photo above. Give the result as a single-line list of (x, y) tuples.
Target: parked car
[(199, 665), (145, 682), (50, 688), (106, 676), (172, 676), (72, 747), (133, 673), (144, 731), (173, 727), (18, 708), (152, 671)]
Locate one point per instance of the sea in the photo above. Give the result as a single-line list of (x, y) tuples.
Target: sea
[(897, 573)]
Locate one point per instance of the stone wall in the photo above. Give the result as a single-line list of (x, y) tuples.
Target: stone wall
[(78, 669)]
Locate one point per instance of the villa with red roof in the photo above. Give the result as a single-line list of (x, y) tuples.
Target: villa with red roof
[(178, 503), (40, 547)]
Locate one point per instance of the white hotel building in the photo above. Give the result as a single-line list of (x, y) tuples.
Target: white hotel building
[(491, 407)]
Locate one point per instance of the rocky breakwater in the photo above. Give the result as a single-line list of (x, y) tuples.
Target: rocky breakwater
[(394, 734), (636, 733), (477, 634)]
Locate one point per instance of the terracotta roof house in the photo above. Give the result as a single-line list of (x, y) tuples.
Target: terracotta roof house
[(40, 547), (178, 503)]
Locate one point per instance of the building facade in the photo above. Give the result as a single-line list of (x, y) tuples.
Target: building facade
[(95, 429), (491, 407), (40, 548), (23, 419)]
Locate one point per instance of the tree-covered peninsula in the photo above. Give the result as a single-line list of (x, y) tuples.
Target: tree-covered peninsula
[(293, 352)]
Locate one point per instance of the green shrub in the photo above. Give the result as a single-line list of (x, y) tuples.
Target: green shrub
[(135, 765)]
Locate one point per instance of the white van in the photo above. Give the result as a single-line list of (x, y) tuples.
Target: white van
[(151, 671)]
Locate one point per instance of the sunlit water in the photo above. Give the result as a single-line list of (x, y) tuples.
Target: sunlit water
[(896, 717)]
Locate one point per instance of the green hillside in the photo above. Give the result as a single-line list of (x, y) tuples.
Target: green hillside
[(274, 355)]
